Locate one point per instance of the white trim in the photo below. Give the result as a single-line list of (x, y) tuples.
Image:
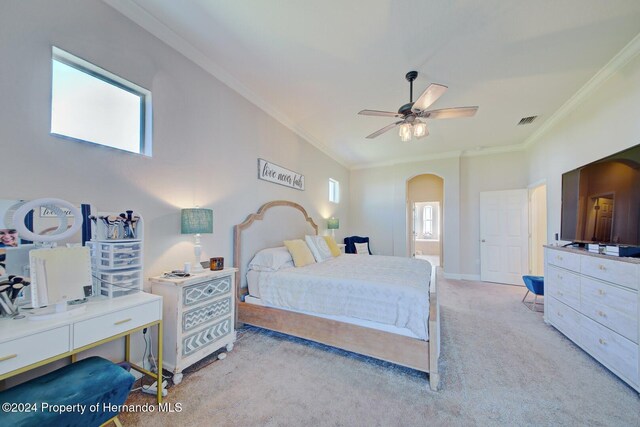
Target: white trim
[(472, 277), (153, 25), (414, 159)]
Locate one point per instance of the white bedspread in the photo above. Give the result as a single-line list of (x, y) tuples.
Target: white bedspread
[(384, 289)]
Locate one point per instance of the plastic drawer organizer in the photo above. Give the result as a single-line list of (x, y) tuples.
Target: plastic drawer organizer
[(116, 264)]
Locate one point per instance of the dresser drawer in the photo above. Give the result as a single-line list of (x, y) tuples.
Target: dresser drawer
[(563, 285), (564, 259), (214, 310), (206, 337), (564, 318), (195, 294), (613, 307), (108, 325), (620, 273), (34, 348), (610, 348)]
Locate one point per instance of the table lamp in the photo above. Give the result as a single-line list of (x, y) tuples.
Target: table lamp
[(333, 224), (197, 221)]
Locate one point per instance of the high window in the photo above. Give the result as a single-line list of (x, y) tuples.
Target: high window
[(334, 191), (93, 105)]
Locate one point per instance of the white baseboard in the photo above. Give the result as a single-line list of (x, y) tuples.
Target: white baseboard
[(457, 276)]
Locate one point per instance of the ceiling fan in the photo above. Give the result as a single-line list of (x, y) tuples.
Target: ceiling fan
[(414, 113)]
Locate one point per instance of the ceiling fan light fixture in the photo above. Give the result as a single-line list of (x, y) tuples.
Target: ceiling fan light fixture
[(419, 129), (405, 132)]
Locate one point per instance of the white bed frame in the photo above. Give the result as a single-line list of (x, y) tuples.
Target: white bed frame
[(282, 220)]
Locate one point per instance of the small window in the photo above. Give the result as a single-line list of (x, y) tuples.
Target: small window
[(93, 105), (427, 224), (334, 191)]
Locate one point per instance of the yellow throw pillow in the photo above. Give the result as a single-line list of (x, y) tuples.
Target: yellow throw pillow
[(333, 246), (300, 252)]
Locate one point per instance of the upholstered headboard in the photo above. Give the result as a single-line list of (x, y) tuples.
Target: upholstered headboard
[(273, 223)]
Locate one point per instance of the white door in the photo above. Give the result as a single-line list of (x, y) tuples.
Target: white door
[(504, 239), (412, 237)]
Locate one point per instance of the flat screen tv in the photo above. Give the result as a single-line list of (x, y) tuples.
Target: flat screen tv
[(601, 201)]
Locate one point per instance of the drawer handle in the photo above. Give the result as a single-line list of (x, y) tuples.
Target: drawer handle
[(209, 290), (560, 315), (120, 322), (560, 293), (602, 313), (559, 258), (602, 267), (602, 341), (11, 356), (559, 276), (601, 292)]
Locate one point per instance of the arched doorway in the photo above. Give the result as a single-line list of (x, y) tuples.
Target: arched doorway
[(425, 216)]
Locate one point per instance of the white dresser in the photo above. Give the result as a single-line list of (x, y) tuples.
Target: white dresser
[(198, 317), (593, 299)]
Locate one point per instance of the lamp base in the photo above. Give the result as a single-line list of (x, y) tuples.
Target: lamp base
[(197, 268)]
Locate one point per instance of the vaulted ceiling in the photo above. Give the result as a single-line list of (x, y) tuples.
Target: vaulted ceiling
[(314, 64)]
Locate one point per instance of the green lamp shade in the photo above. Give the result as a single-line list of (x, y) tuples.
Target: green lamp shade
[(333, 223), (197, 221)]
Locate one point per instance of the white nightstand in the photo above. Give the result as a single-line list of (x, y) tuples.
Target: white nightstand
[(198, 313)]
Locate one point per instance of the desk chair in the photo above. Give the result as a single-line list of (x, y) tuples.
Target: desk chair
[(535, 285)]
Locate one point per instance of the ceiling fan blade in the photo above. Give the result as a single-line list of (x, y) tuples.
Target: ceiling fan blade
[(384, 129), (450, 113), (428, 97), (379, 113)]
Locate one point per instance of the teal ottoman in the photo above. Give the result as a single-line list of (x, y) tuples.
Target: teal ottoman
[(85, 393)]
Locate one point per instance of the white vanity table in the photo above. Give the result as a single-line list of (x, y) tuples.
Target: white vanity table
[(27, 344)]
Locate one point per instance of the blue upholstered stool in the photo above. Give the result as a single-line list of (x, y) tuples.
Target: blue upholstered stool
[(93, 381), (535, 285)]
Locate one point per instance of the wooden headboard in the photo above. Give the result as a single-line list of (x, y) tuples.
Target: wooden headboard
[(273, 223)]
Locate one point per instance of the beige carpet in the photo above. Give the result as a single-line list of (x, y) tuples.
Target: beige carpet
[(500, 365)]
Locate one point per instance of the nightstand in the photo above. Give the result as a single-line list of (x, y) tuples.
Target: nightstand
[(198, 314)]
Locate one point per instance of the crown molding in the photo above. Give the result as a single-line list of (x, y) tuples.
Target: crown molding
[(153, 25), (406, 160), (622, 58)]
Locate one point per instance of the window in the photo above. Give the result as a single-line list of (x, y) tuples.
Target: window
[(334, 191), (427, 223), (426, 218), (93, 105)]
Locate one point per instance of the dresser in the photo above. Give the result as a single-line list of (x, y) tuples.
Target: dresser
[(198, 317), (593, 299), (27, 344)]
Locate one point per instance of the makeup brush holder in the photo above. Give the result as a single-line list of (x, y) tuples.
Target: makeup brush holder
[(116, 227)]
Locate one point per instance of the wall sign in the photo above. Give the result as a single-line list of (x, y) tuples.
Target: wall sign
[(271, 172)]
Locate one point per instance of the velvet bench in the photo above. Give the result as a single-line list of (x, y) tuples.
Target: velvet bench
[(85, 393)]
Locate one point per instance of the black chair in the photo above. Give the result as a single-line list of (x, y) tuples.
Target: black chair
[(350, 244)]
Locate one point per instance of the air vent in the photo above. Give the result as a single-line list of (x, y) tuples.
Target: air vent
[(527, 120)]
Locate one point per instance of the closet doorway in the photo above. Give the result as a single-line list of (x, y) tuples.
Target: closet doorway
[(537, 228), (425, 197)]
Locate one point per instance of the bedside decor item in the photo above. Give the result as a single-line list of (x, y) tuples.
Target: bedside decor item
[(333, 224), (197, 221), (216, 263), (271, 172)]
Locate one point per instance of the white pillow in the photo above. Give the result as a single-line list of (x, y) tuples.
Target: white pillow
[(362, 248), (318, 247), (271, 259)]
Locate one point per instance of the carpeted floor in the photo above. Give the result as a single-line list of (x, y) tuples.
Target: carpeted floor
[(500, 365)]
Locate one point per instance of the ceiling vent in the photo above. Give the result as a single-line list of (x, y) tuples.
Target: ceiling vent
[(527, 120)]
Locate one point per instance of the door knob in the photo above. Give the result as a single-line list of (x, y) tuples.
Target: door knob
[(482, 240)]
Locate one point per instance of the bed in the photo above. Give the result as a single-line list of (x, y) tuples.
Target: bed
[(318, 303)]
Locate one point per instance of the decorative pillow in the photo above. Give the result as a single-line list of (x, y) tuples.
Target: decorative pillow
[(271, 259), (362, 248), (300, 252), (318, 247), (333, 246)]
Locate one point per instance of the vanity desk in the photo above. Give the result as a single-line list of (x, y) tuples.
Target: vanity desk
[(593, 299), (27, 344)]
